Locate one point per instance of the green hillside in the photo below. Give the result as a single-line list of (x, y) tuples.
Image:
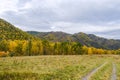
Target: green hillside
[(9, 31), (52, 36), (15, 42), (95, 41), (85, 39)]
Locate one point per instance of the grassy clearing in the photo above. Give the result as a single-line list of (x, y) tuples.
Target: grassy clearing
[(104, 73), (55, 67)]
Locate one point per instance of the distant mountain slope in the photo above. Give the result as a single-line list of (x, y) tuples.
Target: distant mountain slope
[(95, 41), (85, 39), (52, 36), (9, 31)]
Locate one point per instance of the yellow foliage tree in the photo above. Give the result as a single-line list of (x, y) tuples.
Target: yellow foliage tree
[(90, 52), (12, 46)]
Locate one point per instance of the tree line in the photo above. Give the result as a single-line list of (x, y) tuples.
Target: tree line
[(43, 47)]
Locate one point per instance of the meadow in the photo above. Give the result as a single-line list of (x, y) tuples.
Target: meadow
[(60, 67)]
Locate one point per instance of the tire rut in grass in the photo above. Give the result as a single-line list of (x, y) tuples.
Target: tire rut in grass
[(114, 77), (87, 77)]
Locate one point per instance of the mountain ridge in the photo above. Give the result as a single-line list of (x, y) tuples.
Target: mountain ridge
[(89, 40), (10, 32)]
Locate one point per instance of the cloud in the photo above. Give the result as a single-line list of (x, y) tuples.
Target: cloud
[(113, 34), (89, 16), (6, 5), (84, 27)]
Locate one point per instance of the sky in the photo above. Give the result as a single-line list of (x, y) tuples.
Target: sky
[(99, 17)]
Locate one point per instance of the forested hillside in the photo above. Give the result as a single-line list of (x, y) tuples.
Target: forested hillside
[(15, 42), (9, 31), (95, 41), (52, 36), (89, 40)]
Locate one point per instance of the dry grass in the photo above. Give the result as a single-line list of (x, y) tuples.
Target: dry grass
[(72, 67)]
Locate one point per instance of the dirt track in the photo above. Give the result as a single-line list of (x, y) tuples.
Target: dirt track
[(113, 77), (87, 77)]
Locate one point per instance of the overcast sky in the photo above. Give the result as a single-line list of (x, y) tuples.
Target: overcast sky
[(100, 17)]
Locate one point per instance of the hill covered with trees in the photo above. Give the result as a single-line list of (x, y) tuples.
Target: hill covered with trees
[(89, 40), (9, 31), (52, 36), (15, 42)]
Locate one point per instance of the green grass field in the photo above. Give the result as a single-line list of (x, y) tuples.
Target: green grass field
[(74, 67)]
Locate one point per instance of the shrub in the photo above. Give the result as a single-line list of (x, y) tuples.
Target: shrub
[(4, 54)]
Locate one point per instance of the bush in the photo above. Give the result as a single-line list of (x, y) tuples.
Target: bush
[(4, 54)]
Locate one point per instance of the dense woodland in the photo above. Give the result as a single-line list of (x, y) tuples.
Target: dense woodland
[(15, 42), (40, 47)]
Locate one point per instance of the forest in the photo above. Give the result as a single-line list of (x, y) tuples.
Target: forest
[(43, 47)]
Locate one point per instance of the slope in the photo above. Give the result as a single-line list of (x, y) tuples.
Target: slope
[(85, 39), (9, 31), (52, 36)]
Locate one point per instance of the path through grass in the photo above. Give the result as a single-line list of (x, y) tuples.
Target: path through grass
[(72, 67)]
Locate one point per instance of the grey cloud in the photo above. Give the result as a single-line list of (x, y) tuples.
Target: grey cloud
[(21, 3), (26, 20), (92, 11), (74, 15), (113, 34)]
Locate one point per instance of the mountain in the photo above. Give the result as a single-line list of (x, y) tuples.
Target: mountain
[(9, 31), (84, 39), (52, 36), (95, 41)]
